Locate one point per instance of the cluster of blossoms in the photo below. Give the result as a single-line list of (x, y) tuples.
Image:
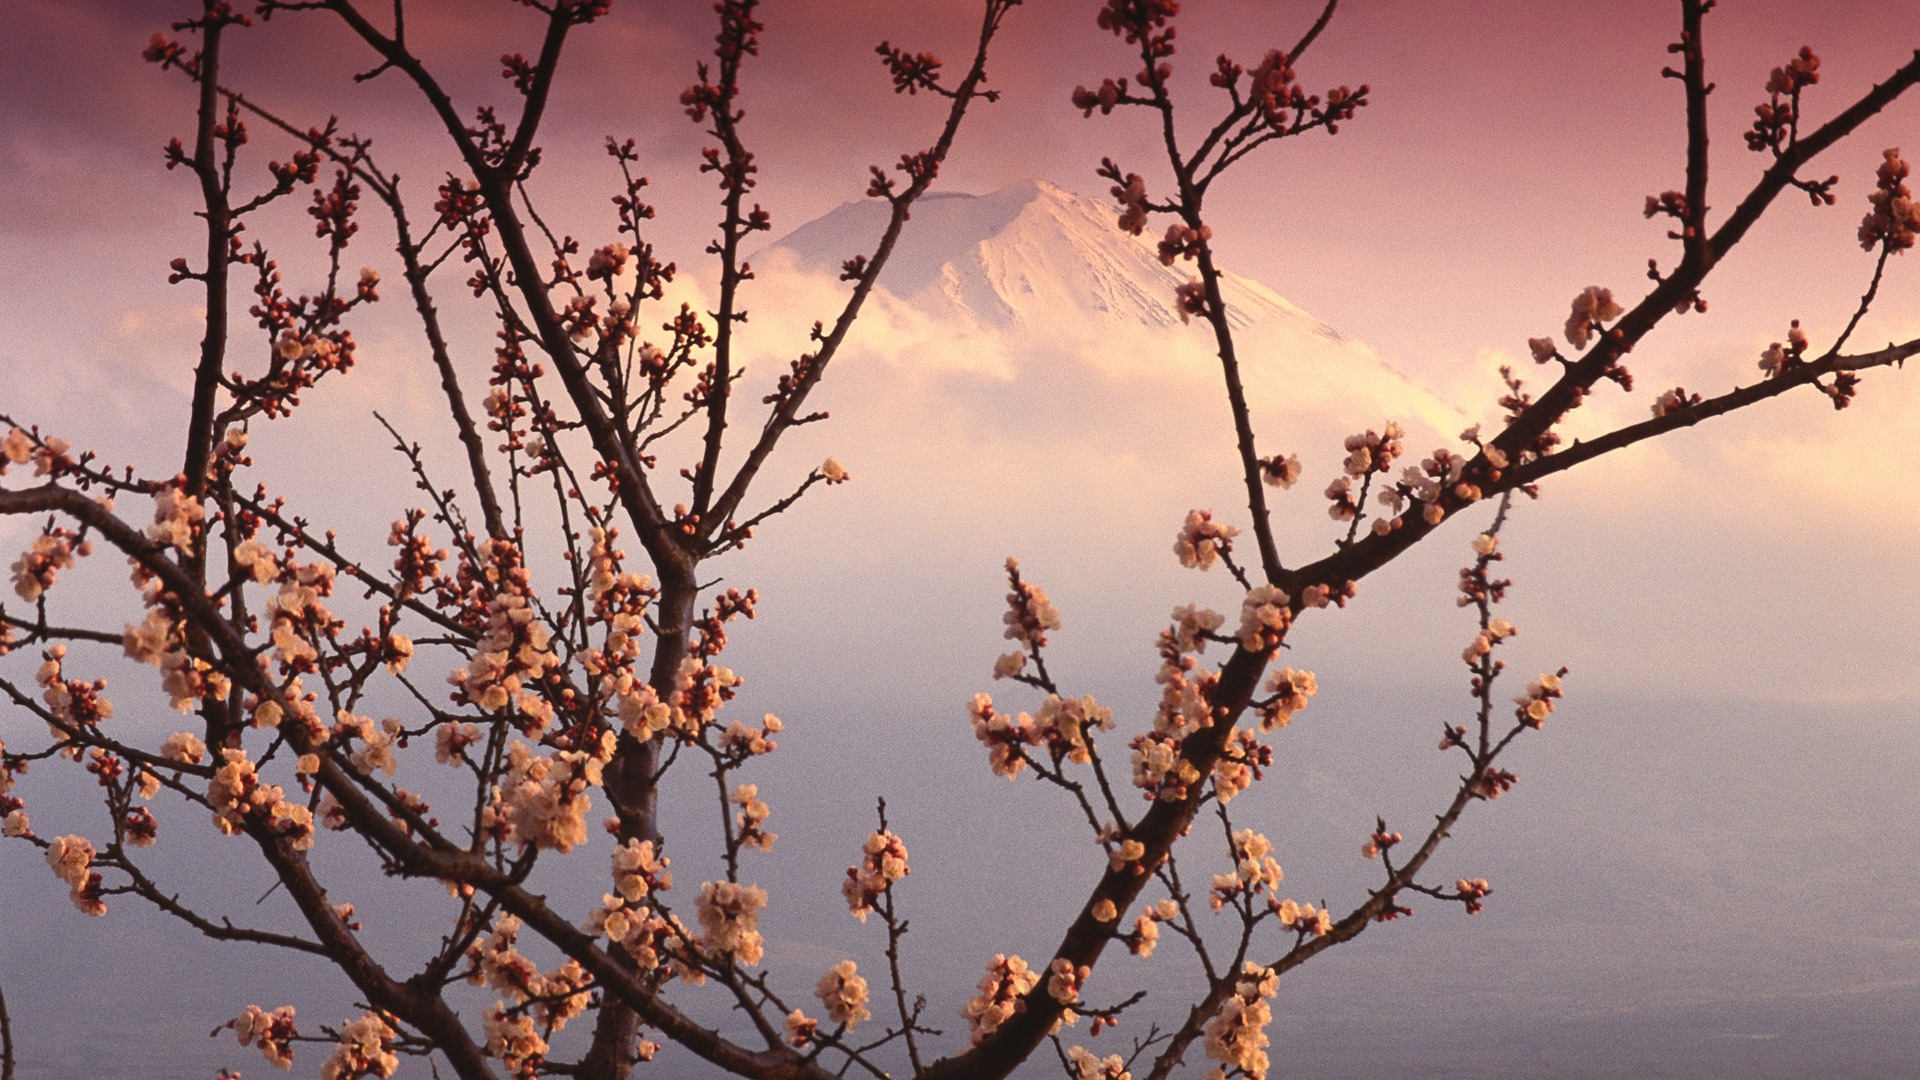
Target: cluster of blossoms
[(1281, 472), (1202, 540), (1064, 981), (13, 810), (1493, 783), (37, 567), (1265, 615), (272, 1031), (72, 702), (1378, 841), (801, 1029), (451, 741), (1291, 690), (1003, 735), (743, 742), (1497, 630), (1894, 218), (184, 747), (1192, 627), (1801, 71), (1776, 119), (653, 941), (1304, 918), (258, 560), (642, 714), (1373, 452), (266, 712), (638, 870), (515, 1041), (883, 861), (1475, 586), (237, 797), (178, 517), (1029, 613), (699, 691), (1241, 763), (300, 616), (620, 599), (365, 1049), (1674, 401), (1146, 927), (1191, 299), (1006, 983), (513, 655), (1158, 768), (608, 261), (1435, 477), (730, 920), (556, 997), (1236, 1037), (1672, 204), (377, 742), (188, 680), (1472, 892), (1087, 1065), (71, 858), (1062, 723), (542, 801), (1534, 706), (47, 455), (1254, 870), (1183, 242), (1105, 99), (1778, 358), (1010, 665), (1130, 191), (417, 561), (567, 991), (1060, 726), (1592, 307), (844, 993), (753, 814)]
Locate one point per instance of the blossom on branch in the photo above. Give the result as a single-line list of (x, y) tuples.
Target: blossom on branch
[(1000, 995), (71, 858), (844, 993), (1592, 307), (883, 861), (1236, 1037), (272, 1031), (1894, 218), (1086, 1065), (1202, 540), (730, 920)]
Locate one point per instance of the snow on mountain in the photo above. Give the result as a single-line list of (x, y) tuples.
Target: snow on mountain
[(1051, 268)]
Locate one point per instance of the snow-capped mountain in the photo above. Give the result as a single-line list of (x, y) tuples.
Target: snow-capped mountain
[(1051, 267)]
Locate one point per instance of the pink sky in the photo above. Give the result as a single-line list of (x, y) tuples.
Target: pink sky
[(1499, 171), (1500, 168)]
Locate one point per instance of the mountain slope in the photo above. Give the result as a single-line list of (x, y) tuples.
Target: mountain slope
[(1049, 267)]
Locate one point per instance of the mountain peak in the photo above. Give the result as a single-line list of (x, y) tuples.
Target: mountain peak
[(1037, 262), (1022, 255)]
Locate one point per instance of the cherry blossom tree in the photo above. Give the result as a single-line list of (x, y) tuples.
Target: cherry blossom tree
[(524, 703)]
